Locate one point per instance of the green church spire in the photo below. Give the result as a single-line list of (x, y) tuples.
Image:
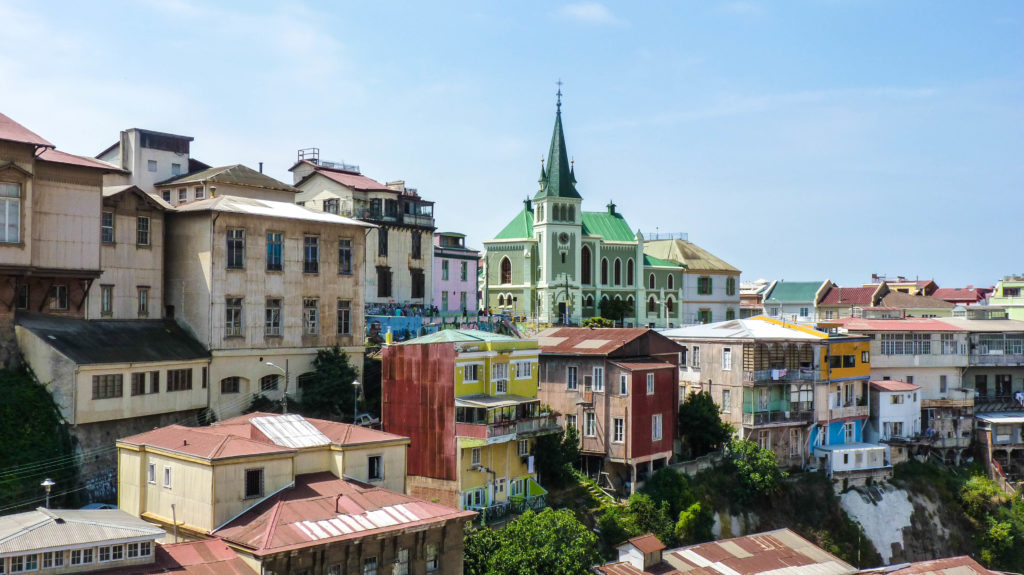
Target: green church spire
[(559, 181)]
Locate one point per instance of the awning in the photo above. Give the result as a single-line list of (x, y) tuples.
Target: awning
[(492, 401)]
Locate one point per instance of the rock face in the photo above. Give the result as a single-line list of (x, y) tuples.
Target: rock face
[(883, 513)]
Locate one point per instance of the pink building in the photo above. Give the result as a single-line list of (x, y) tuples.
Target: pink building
[(455, 275)]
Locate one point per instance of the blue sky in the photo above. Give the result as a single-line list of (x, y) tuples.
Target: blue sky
[(797, 139)]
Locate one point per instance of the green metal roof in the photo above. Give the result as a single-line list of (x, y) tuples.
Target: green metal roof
[(653, 261), (611, 227), (793, 292), (520, 227), (455, 335), (558, 181)]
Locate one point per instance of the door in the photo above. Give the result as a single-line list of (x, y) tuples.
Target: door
[(561, 312)]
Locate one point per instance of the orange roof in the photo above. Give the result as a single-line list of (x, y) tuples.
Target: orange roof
[(647, 543), (347, 178), (203, 442), (205, 557), (321, 509), (15, 132), (893, 385)]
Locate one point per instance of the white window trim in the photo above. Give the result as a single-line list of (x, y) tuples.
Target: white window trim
[(656, 427), (598, 382), (168, 479), (623, 384), (650, 384), (572, 384)]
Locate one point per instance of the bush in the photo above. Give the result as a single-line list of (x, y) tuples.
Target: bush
[(546, 543), (700, 426)]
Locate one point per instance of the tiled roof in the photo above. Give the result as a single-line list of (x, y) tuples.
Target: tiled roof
[(238, 205), (521, 227), (203, 442), (958, 294), (611, 227), (91, 341), (857, 324), (63, 528), (962, 565), (647, 543), (58, 157), (15, 132), (586, 341), (322, 509), (780, 552), (907, 301), (859, 296), (893, 385), (694, 257), (456, 335), (793, 292), (347, 178), (237, 174)]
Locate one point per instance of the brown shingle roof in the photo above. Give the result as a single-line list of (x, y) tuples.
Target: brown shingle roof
[(58, 157), (907, 301), (647, 543)]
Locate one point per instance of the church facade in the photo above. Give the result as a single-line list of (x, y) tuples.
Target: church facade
[(557, 263)]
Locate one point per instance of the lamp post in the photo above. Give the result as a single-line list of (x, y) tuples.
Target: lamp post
[(47, 484), (284, 402), (355, 399)]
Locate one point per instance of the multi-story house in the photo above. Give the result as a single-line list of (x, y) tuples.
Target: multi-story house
[(235, 180), (1009, 293), (969, 295), (895, 416), (290, 495), (619, 388), (710, 285), (932, 354), (752, 298), (262, 282), (995, 358), (147, 157), (880, 301), (468, 402), (72, 541), (455, 275), (795, 390), (794, 301), (398, 253)]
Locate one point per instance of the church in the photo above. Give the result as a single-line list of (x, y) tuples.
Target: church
[(556, 263)]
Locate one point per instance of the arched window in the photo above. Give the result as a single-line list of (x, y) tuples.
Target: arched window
[(618, 272), (671, 281), (231, 384), (270, 382), (604, 271), (668, 306), (590, 301), (501, 300), (572, 214), (540, 213), (629, 304), (650, 304), (629, 272), (650, 281), (506, 270), (585, 265), (558, 212), (563, 257)]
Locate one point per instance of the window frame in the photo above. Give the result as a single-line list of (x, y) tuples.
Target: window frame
[(344, 317), (572, 377), (143, 233), (234, 317), (275, 251), (344, 256), (107, 229), (254, 477), (619, 430), (235, 248), (310, 316), (310, 254), (650, 383), (623, 384), (590, 423), (656, 427), (10, 209)]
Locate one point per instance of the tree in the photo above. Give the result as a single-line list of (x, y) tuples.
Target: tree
[(597, 322), (329, 393), (756, 467), (700, 426), (546, 543), (614, 309), (555, 456), (644, 515), (694, 520), (695, 524)]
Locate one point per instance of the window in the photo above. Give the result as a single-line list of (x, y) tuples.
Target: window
[(896, 399), (704, 285), (104, 554), (179, 379), (730, 289), (474, 456), (764, 439), (270, 382), (24, 563), (570, 421), (704, 316), (183, 195), (200, 193), (696, 356), (943, 385), (142, 231), (167, 476), (167, 196), (650, 384), (444, 270), (650, 281), (524, 369), (618, 272), (382, 242), (418, 283), (506, 270), (310, 316), (571, 377), (669, 308), (154, 381), (865, 357), (463, 271), (604, 271), (311, 255), (345, 257), (331, 205), (401, 563), (444, 300), (80, 556), (231, 384), (117, 553), (344, 317), (656, 427), (106, 300), (849, 432), (143, 301), (598, 379), (59, 297), (470, 373), (730, 314), (417, 246), (523, 447), (370, 566), (804, 312), (383, 281), (107, 386), (10, 213), (590, 424), (272, 318), (151, 473), (253, 483), (432, 561), (726, 401), (619, 430), (948, 344), (651, 305), (51, 560), (233, 317), (107, 228), (151, 165), (275, 251), (671, 281), (849, 361), (139, 383), (623, 384), (726, 359), (629, 272), (21, 297)]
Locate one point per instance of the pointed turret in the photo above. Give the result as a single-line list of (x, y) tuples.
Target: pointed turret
[(559, 181)]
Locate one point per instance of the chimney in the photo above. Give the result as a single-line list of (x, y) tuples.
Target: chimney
[(261, 167)]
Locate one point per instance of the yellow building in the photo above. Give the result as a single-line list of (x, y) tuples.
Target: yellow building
[(468, 401)]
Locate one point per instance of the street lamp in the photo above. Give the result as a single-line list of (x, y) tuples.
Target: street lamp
[(284, 402), (355, 400), (47, 484)]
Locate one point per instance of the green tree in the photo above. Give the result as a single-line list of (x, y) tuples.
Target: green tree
[(614, 309), (546, 543), (329, 393), (695, 525), (667, 484), (555, 456), (644, 515), (598, 322), (757, 468), (700, 425)]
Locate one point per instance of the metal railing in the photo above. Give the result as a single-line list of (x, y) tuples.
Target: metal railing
[(516, 505), (996, 359), (527, 427), (781, 375), (768, 417)]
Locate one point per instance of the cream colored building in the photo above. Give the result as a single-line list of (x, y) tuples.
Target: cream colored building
[(259, 281), (398, 253), (147, 157), (235, 180), (204, 477), (710, 286)]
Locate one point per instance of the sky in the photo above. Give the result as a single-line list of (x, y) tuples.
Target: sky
[(797, 140)]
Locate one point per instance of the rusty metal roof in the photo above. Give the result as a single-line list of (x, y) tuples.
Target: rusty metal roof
[(962, 565), (15, 132), (45, 529), (586, 341), (205, 557)]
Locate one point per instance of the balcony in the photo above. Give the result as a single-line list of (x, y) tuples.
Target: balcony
[(850, 410), (420, 220), (767, 376), (996, 358), (778, 417), (508, 430)]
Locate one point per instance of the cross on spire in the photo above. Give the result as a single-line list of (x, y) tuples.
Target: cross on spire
[(559, 94)]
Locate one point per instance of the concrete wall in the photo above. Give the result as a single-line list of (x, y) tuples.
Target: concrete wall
[(883, 411), (455, 285), (393, 465), (718, 302), (228, 485)]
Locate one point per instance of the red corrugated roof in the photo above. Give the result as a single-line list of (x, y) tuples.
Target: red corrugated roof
[(859, 296), (647, 543), (957, 294), (203, 442), (205, 557), (15, 132), (637, 365), (857, 324), (893, 385), (338, 433), (321, 509), (586, 341), (58, 157), (959, 564), (353, 180)]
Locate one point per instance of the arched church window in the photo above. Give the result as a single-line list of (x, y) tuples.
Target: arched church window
[(629, 304), (585, 265), (618, 272), (501, 300), (671, 281), (629, 272), (604, 271), (668, 306), (506, 270), (572, 214), (650, 304), (650, 281)]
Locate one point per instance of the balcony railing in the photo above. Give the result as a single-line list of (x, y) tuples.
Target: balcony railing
[(524, 428), (850, 410), (780, 375), (505, 510), (418, 220), (770, 417), (992, 358)]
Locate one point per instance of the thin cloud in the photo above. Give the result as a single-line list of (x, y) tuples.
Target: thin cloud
[(589, 13)]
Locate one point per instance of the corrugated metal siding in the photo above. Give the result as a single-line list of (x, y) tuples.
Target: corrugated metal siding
[(418, 384), (665, 401)]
